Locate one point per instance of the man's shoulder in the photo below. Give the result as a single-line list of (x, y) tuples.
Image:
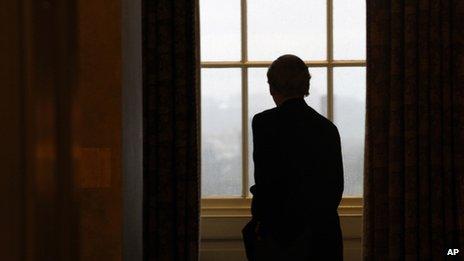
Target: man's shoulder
[(324, 121), (324, 124), (271, 115), (265, 115)]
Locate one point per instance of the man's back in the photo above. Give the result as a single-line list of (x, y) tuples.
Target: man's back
[(298, 175)]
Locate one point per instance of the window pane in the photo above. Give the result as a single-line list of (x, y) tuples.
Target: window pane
[(317, 98), (349, 114), (349, 29), (286, 27), (221, 133), (220, 30), (260, 100)]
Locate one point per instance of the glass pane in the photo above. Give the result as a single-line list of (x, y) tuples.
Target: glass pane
[(349, 29), (286, 27), (260, 100), (221, 132), (317, 98), (220, 30), (349, 115)]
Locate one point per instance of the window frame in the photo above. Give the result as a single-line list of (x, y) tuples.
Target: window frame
[(240, 206)]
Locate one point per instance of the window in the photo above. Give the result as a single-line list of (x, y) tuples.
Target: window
[(239, 40)]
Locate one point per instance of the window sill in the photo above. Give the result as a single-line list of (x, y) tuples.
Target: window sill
[(240, 207)]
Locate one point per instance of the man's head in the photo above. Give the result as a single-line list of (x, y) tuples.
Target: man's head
[(288, 77)]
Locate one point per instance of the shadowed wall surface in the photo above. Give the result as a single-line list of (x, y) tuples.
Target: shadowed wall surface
[(96, 129), (61, 127)]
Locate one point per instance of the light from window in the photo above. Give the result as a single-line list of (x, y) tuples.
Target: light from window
[(220, 30), (349, 31), (278, 27), (239, 40), (348, 115), (221, 134)]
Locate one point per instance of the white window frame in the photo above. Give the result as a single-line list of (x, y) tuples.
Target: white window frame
[(227, 206)]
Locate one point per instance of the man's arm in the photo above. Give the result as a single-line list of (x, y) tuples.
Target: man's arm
[(259, 161), (336, 169), (327, 188)]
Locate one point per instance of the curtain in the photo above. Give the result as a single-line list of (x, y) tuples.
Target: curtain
[(414, 165), (170, 115)]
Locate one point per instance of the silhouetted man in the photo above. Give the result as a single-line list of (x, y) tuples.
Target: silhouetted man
[(298, 174)]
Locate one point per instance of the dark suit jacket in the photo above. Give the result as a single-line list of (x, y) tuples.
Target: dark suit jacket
[(299, 179)]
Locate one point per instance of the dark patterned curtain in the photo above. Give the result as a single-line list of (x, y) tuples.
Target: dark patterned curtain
[(414, 184), (171, 157)]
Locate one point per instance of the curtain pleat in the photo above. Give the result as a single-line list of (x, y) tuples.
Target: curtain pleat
[(171, 158), (414, 130)]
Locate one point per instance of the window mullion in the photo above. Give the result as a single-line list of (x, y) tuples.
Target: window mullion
[(265, 64), (244, 51), (330, 59)]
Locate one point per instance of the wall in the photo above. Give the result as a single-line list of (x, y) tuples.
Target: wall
[(96, 129), (10, 131), (221, 238), (60, 117)]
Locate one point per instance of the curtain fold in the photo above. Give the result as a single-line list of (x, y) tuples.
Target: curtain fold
[(170, 114), (414, 167)]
